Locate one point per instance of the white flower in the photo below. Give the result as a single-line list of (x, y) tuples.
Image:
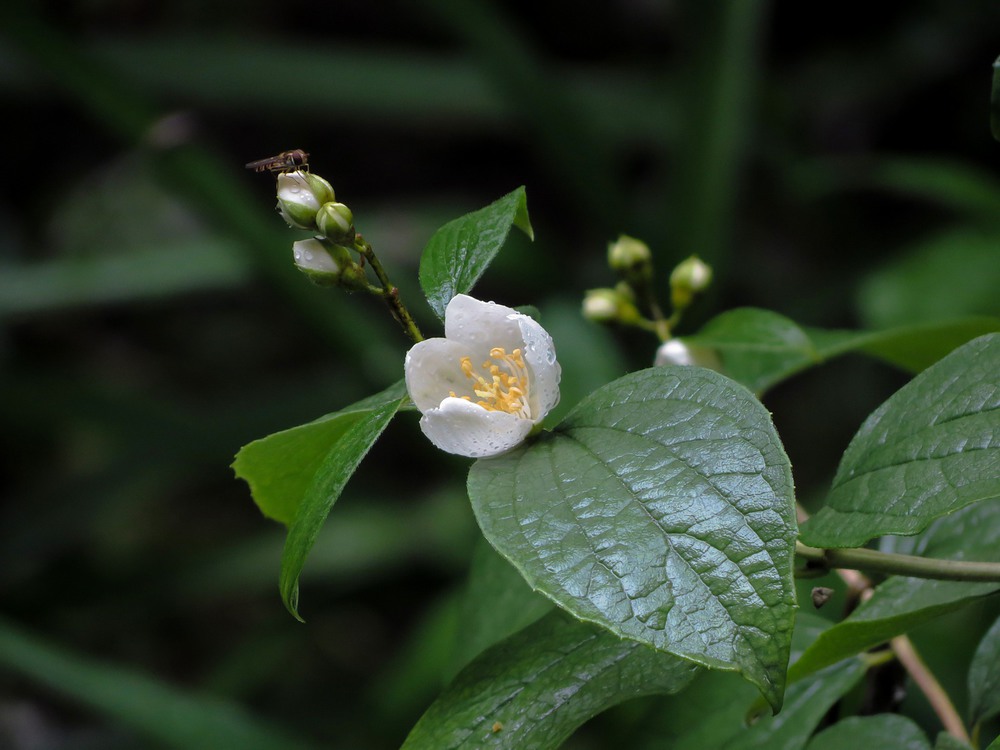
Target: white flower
[(484, 385)]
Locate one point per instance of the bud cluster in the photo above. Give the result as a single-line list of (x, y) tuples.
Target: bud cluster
[(307, 201), (632, 260)]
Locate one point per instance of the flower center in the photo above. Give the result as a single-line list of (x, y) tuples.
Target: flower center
[(504, 387)]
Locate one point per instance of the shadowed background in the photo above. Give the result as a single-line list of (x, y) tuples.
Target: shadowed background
[(841, 173)]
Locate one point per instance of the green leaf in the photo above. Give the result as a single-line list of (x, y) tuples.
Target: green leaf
[(884, 731), (460, 251), (760, 348), (662, 509), (945, 741), (297, 475), (984, 677), (146, 705), (932, 448), (495, 604), (280, 467), (535, 688), (713, 711), (900, 604)]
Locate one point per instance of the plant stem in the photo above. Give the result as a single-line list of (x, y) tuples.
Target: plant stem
[(389, 291), (930, 687), (906, 565)]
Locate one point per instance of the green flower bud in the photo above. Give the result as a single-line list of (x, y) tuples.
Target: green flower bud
[(300, 195), (324, 264), (609, 306), (335, 221), (690, 276), (631, 258)]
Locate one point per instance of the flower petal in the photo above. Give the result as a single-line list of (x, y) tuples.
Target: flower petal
[(540, 355), (432, 369), (465, 429), (481, 325)]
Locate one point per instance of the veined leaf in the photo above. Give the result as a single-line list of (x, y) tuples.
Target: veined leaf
[(460, 251), (760, 348), (661, 509), (932, 448), (536, 687), (297, 475), (900, 604)]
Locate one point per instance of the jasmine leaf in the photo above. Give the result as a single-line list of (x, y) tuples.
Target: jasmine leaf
[(900, 604), (984, 677), (932, 448), (888, 731), (535, 688), (297, 475), (760, 348), (662, 509), (460, 251)]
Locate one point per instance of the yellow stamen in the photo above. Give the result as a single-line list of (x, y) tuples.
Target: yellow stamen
[(505, 387)]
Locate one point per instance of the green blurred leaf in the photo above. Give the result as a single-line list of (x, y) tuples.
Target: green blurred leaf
[(884, 731), (932, 448), (148, 706), (297, 475), (900, 604), (760, 348), (713, 711), (535, 688), (460, 251), (495, 604), (984, 677), (945, 741), (945, 277), (661, 508)]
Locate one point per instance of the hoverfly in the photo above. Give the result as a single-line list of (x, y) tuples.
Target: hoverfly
[(286, 161)]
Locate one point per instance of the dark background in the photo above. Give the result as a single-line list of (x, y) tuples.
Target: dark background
[(833, 163)]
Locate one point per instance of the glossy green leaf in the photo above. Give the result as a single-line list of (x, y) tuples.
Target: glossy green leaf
[(460, 251), (535, 688), (495, 604), (995, 745), (984, 677), (662, 509), (900, 604), (297, 475), (152, 708), (932, 448), (760, 348), (884, 731)]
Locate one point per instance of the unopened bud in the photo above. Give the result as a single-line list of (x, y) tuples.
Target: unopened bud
[(691, 276), (609, 306), (631, 258), (677, 352), (335, 221), (300, 195), (323, 263)]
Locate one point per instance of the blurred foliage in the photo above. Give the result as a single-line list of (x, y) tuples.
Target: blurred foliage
[(840, 173)]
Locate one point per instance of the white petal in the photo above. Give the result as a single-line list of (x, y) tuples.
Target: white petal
[(540, 356), (465, 429), (481, 325), (433, 369)]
